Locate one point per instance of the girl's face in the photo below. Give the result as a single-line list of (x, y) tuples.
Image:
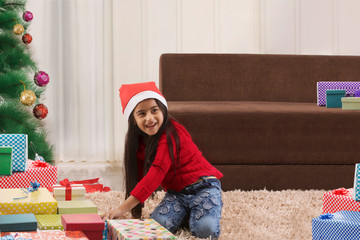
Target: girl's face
[(148, 116)]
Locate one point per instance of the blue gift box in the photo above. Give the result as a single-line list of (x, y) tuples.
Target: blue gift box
[(18, 222), (19, 144), (339, 225), (333, 98), (356, 189)]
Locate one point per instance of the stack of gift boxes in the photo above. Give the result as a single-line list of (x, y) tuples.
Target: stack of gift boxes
[(340, 218), (345, 95), (34, 206), (29, 210)]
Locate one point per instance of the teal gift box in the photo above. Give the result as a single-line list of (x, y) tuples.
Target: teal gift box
[(19, 144), (333, 98), (18, 222), (5, 160), (356, 190), (339, 225)]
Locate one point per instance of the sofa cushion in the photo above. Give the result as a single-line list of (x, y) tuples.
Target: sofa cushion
[(274, 133)]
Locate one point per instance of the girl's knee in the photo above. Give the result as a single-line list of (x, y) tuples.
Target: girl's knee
[(205, 227)]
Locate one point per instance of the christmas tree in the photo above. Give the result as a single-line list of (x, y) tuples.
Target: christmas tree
[(21, 83)]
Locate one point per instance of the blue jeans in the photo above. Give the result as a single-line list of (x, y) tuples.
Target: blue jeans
[(199, 203)]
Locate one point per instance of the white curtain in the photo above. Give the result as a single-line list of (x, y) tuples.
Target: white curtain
[(74, 42)]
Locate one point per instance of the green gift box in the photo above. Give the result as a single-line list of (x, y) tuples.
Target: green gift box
[(5, 160), (76, 206), (49, 222), (333, 98)]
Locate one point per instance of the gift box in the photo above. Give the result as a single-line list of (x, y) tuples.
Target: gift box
[(49, 222), (91, 185), (16, 201), (333, 98), (5, 160), (339, 199), (350, 103), (67, 192), (349, 87), (137, 229), (19, 144), (18, 222), (76, 206), (44, 173), (356, 189), (91, 224), (47, 235), (340, 225)]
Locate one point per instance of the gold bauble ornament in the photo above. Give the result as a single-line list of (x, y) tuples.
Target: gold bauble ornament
[(27, 97), (18, 29)]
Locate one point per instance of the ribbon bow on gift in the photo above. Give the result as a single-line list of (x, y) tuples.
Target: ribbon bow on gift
[(34, 186), (39, 163), (340, 191), (326, 216)]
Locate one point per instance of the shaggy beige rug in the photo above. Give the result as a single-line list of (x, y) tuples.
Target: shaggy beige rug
[(247, 214)]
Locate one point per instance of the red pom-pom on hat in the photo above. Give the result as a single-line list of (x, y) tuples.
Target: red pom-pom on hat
[(132, 94)]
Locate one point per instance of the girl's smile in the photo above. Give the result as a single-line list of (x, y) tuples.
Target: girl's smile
[(148, 116)]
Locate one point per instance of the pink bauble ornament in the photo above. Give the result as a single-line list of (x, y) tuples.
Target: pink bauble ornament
[(40, 111), (41, 78), (27, 16)]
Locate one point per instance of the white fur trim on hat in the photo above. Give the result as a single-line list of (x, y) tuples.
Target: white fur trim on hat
[(134, 101)]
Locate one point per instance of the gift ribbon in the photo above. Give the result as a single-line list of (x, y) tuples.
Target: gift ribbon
[(326, 216), (91, 185), (34, 186), (340, 191), (65, 183), (39, 163)]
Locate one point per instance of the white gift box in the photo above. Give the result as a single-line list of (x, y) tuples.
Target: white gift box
[(72, 192)]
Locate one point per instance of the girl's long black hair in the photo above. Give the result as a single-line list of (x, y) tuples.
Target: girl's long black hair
[(133, 136)]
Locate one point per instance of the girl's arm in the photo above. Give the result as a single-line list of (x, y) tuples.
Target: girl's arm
[(123, 208)]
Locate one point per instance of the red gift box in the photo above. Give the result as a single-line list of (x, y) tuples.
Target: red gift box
[(91, 185), (338, 200), (53, 235), (91, 224), (42, 172)]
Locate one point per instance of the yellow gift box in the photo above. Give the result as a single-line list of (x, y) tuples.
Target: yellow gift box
[(38, 202)]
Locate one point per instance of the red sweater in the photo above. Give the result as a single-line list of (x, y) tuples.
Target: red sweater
[(192, 166)]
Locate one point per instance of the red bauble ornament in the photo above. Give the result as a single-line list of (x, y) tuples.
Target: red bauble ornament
[(40, 111), (26, 38)]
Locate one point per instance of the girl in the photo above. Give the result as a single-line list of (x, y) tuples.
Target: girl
[(160, 151)]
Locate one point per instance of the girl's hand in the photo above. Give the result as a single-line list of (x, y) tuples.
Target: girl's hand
[(115, 213)]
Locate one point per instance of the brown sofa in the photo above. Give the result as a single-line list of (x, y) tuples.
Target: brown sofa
[(255, 117)]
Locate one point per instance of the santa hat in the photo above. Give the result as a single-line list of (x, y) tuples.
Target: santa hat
[(132, 94)]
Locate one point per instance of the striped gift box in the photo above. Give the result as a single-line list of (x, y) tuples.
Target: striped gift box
[(349, 87), (19, 144), (356, 189), (339, 199), (340, 225)]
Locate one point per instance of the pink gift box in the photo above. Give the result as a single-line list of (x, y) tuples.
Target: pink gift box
[(338, 200), (43, 173), (53, 235), (91, 224)]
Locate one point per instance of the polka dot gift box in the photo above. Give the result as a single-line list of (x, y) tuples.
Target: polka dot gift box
[(19, 144), (339, 199), (49, 222), (321, 88), (340, 225), (16, 201), (136, 229)]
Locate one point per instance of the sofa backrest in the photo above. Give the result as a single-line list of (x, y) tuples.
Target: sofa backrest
[(251, 77)]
